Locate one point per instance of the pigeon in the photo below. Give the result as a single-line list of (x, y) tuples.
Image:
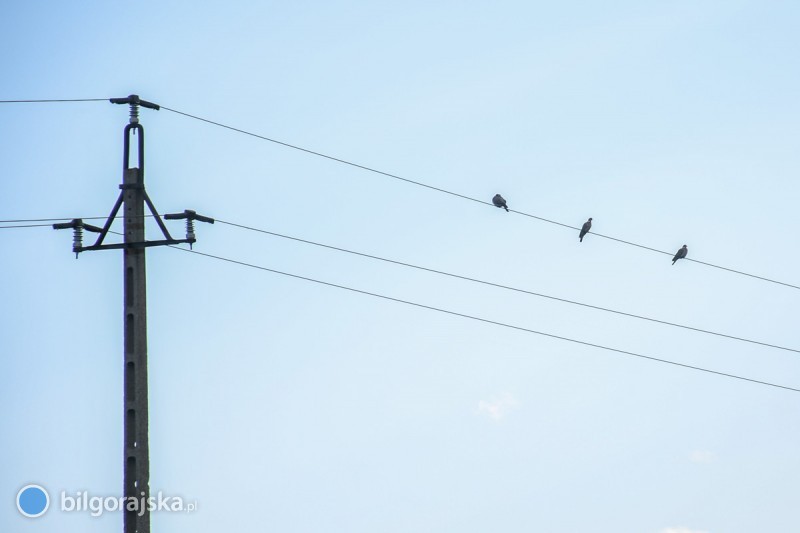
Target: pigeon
[(681, 254), (499, 201), (586, 227)]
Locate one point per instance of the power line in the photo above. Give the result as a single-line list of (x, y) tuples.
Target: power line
[(444, 273), (463, 196), (493, 322), (421, 184), (319, 154), (506, 287), (53, 100), (25, 226), (15, 226), (45, 219), (56, 219)]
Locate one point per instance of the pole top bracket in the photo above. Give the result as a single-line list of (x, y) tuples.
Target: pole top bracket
[(134, 101)]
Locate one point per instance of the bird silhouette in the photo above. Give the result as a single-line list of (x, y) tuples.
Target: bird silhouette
[(681, 254), (586, 227), (499, 201)]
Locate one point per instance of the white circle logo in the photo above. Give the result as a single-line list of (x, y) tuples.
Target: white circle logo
[(33, 501)]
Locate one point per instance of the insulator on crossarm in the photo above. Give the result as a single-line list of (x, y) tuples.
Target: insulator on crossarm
[(190, 230), (77, 238), (190, 217)]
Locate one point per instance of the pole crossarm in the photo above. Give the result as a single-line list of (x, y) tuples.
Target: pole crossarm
[(190, 217), (77, 225), (138, 185)]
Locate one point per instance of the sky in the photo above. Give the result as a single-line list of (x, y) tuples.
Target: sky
[(280, 404)]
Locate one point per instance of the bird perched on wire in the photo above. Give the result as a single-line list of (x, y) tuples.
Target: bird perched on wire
[(586, 227), (499, 201), (681, 254)]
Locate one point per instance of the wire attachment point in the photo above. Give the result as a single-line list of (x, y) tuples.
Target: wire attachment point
[(77, 225), (190, 217), (134, 101)]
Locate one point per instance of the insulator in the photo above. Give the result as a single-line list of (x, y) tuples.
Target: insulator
[(77, 239), (134, 113), (190, 228)]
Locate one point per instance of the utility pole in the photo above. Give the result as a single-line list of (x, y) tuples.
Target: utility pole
[(132, 198)]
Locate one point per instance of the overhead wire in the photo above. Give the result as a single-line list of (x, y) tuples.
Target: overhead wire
[(54, 100), (463, 196), (14, 226), (414, 182), (448, 274), (56, 219), (48, 219), (24, 226), (320, 154), (493, 322), (505, 287)]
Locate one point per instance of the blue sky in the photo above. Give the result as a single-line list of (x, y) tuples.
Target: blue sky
[(283, 405)]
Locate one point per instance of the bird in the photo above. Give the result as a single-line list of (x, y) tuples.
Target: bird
[(681, 254), (586, 227), (499, 201)]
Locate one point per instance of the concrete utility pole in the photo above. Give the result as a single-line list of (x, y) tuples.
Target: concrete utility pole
[(133, 197), (136, 477)]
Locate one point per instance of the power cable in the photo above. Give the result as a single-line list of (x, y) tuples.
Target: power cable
[(54, 100), (25, 226), (493, 322), (48, 219), (418, 183), (506, 287), (449, 274), (463, 196)]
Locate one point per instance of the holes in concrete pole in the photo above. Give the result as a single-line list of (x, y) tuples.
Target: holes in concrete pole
[(129, 337), (130, 427), (131, 484), (129, 286), (130, 470), (130, 381)]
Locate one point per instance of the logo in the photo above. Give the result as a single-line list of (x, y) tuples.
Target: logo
[(33, 501)]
